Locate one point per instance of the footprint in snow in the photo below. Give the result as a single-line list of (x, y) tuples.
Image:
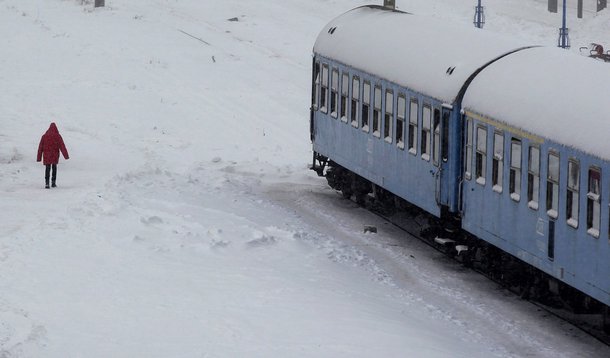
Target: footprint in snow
[(151, 220), (17, 330), (262, 241)]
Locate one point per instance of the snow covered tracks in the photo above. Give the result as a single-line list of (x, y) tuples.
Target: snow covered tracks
[(498, 266), (595, 50)]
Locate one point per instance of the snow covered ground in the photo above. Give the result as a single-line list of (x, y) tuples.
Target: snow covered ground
[(186, 223)]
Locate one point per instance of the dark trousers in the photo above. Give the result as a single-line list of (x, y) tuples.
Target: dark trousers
[(47, 172)]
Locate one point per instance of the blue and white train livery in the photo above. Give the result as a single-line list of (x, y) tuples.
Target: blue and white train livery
[(501, 139)]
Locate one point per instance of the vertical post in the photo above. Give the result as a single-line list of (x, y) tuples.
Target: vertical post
[(579, 9), (564, 39), (552, 6), (479, 16), (99, 3), (390, 4)]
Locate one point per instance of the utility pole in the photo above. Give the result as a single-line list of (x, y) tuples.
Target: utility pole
[(479, 16), (564, 38), (390, 4)]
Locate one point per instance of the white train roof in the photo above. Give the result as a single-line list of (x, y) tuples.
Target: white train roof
[(549, 92), (409, 50)]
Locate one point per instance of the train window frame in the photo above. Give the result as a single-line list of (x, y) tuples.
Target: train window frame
[(533, 178), (343, 107), (334, 92), (413, 125), (401, 114), (355, 102), (436, 135), (552, 183), (365, 106), (572, 193), (481, 154), (594, 201), (377, 108), (324, 89), (497, 164), (316, 85), (514, 180), (426, 128), (388, 117)]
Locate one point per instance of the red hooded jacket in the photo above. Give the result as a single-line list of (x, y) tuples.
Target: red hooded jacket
[(50, 145)]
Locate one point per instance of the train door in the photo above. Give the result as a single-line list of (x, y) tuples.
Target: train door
[(442, 148), (436, 146), (426, 173)]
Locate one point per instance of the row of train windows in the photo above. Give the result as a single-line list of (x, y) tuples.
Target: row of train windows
[(593, 193), (360, 109)]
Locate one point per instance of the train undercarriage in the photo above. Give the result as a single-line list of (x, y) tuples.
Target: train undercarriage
[(446, 235)]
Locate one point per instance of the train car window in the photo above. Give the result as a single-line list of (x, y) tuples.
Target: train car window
[(388, 118), (316, 86), (344, 96), (572, 194), (468, 151), (377, 113), (514, 184), (533, 178), (436, 139), (481, 158), (552, 185), (334, 93), (324, 89), (593, 202), (401, 110), (413, 111), (366, 105), (497, 165), (445, 138), (425, 132), (355, 101)]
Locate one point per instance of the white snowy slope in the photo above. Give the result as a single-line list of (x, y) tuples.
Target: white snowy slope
[(186, 223)]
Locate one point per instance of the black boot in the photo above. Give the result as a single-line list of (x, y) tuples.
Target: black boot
[(47, 174), (53, 185)]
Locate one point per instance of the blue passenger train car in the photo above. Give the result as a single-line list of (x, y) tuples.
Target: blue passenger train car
[(475, 129)]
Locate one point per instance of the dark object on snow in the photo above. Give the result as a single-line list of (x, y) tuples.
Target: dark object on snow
[(51, 143), (195, 37), (595, 51), (370, 228), (233, 19), (99, 3)]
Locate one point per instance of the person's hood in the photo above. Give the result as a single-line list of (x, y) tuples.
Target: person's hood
[(53, 128)]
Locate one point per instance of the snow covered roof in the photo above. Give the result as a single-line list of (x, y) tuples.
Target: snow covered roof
[(549, 92), (409, 50)]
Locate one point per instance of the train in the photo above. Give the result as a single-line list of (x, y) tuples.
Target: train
[(503, 143)]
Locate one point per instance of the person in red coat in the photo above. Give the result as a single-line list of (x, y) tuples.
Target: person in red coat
[(50, 145)]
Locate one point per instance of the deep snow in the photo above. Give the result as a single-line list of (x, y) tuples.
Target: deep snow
[(186, 223)]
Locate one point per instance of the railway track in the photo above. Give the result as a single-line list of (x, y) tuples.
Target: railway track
[(415, 222)]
